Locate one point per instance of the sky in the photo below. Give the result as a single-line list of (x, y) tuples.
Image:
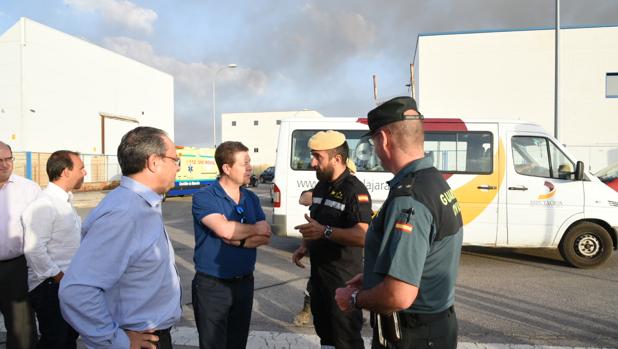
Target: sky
[(291, 54)]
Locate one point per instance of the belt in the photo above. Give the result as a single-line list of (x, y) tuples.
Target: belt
[(230, 279), (164, 332), (413, 319)]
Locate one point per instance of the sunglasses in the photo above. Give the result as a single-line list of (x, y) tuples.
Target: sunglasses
[(241, 211)]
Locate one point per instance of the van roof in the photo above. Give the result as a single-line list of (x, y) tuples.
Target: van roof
[(363, 120)]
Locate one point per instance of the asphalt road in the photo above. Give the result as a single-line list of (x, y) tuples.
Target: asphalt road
[(503, 296)]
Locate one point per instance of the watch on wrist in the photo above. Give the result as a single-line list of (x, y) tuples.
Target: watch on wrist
[(328, 231), (354, 299)]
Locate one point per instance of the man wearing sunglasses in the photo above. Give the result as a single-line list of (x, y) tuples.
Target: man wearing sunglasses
[(229, 224), (334, 236), (121, 289)]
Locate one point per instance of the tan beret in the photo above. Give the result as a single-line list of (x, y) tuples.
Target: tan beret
[(326, 140)]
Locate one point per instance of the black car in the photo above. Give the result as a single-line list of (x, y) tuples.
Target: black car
[(268, 175)]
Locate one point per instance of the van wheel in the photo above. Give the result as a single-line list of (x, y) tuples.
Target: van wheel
[(586, 245)]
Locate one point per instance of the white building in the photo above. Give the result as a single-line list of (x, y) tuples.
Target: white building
[(61, 92), (510, 75), (259, 132)]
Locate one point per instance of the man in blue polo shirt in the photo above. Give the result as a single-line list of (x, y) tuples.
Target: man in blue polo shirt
[(229, 224)]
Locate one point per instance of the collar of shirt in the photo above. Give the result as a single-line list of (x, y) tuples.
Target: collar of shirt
[(219, 191), (54, 190), (340, 179), (413, 166), (153, 199), (11, 180)]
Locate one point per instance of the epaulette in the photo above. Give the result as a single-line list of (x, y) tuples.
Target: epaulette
[(404, 188)]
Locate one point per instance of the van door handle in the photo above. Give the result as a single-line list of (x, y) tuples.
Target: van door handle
[(487, 187), (521, 187)]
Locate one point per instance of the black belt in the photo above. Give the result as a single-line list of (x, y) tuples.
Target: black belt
[(413, 319), (165, 332), (231, 279)]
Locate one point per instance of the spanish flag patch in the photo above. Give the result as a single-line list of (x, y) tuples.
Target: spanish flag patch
[(363, 198), (403, 227)]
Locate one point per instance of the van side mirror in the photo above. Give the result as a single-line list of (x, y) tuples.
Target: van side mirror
[(579, 171)]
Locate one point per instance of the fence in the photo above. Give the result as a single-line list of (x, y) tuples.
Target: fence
[(103, 171)]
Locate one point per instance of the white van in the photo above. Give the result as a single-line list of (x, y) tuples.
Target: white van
[(516, 185)]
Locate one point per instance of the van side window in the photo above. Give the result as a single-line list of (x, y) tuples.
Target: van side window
[(460, 152), (539, 157), (361, 152)]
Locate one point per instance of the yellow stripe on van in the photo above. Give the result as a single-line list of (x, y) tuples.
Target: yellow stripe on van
[(469, 190)]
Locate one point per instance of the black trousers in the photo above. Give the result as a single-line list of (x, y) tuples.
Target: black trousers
[(18, 315), (437, 334), (222, 309), (55, 332), (334, 327), (165, 339)]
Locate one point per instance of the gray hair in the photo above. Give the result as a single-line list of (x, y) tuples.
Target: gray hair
[(136, 147), (2, 144)]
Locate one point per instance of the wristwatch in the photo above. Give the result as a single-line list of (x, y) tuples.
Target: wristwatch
[(354, 299), (328, 231)]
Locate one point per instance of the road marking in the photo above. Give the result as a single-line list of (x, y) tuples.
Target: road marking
[(266, 339)]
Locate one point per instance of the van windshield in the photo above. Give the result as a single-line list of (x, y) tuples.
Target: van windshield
[(361, 151)]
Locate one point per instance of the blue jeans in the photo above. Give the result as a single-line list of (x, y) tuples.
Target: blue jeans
[(222, 309), (55, 332)]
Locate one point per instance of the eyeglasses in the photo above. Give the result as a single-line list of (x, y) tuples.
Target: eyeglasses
[(241, 211), (8, 160), (176, 160)]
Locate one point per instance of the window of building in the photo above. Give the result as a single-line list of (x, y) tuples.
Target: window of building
[(278, 122), (255, 150), (233, 123), (611, 85), (255, 122)]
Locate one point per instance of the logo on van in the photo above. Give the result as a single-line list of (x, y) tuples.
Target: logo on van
[(552, 191)]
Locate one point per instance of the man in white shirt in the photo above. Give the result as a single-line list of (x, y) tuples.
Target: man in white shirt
[(16, 193), (51, 236)]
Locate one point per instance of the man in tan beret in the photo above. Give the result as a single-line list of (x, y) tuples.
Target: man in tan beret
[(334, 235)]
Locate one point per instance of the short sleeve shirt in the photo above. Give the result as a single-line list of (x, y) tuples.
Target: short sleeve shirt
[(342, 204), (213, 256), (401, 242)]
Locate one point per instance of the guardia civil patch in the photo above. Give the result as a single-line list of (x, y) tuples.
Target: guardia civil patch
[(403, 227), (362, 198)]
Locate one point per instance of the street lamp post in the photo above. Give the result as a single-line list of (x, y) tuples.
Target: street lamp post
[(214, 102)]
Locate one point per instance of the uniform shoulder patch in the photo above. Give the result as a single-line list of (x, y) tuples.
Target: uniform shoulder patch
[(404, 227), (362, 198)]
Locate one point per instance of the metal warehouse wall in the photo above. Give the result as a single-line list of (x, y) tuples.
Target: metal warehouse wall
[(510, 75), (58, 86)]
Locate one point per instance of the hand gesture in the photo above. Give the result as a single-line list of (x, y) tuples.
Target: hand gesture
[(342, 297), (312, 230), (356, 282), (300, 252)]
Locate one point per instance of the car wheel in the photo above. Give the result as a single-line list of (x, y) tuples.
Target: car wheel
[(586, 245)]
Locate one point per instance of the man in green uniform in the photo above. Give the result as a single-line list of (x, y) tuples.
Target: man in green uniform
[(413, 245)]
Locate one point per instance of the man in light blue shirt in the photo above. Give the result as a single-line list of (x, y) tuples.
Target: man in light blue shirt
[(122, 289)]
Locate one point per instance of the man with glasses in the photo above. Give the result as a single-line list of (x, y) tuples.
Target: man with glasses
[(122, 289), (413, 245), (334, 235), (16, 193), (229, 224)]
